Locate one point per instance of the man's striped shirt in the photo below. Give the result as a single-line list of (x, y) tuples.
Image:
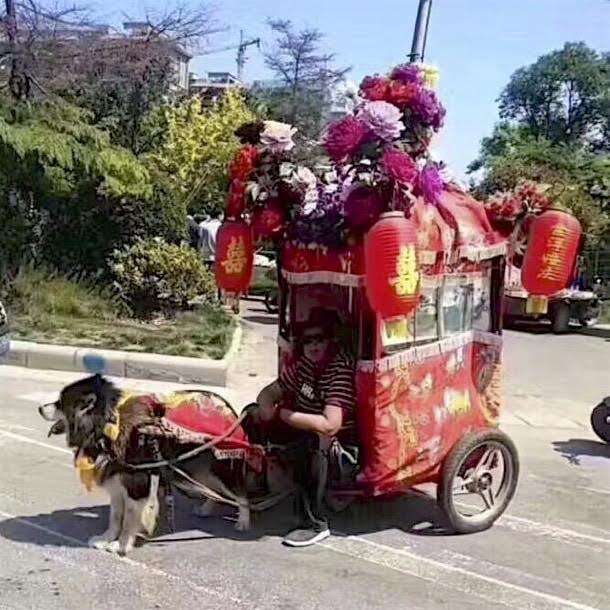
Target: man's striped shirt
[(311, 389)]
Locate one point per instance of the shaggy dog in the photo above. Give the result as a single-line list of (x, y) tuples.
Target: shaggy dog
[(110, 433)]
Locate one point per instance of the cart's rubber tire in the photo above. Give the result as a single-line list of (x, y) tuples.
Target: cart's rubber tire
[(560, 318), (599, 423), (460, 451)]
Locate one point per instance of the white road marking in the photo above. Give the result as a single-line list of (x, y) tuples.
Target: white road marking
[(569, 488), (527, 526), (454, 577), (31, 441), (132, 562)]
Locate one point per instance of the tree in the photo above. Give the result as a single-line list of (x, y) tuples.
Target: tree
[(120, 77), (573, 178), (554, 131), (199, 144), (305, 77), (564, 96), (56, 171)]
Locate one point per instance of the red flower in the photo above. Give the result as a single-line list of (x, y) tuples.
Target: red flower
[(401, 94), (362, 207), (399, 166), (236, 201), (243, 163), (375, 89), (268, 222), (344, 137)]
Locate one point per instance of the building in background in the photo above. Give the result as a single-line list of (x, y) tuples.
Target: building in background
[(213, 85)]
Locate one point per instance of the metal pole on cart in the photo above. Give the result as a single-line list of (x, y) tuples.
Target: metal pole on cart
[(420, 34)]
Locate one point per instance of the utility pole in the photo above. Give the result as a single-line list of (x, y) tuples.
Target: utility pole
[(241, 52), (420, 34)]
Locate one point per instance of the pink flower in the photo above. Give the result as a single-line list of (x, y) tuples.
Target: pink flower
[(399, 166), (344, 137), (383, 119), (374, 88)]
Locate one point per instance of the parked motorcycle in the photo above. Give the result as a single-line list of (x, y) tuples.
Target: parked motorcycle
[(600, 420)]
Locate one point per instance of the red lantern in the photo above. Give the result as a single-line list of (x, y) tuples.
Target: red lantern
[(554, 238), (268, 222), (392, 274), (234, 256), (236, 201)]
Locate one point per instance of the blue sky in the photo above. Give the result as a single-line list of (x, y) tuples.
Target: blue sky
[(476, 44)]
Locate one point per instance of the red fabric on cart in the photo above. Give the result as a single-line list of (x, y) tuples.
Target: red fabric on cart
[(410, 417)]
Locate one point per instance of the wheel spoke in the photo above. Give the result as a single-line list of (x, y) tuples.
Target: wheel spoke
[(488, 497), (461, 488), (486, 458)]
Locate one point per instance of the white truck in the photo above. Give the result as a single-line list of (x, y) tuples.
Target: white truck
[(581, 307)]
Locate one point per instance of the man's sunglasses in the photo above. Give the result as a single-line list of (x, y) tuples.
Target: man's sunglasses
[(311, 339)]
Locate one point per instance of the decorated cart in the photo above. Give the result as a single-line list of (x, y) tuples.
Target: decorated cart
[(414, 272)]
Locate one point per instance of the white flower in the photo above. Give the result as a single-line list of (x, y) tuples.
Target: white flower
[(306, 176), (277, 136)]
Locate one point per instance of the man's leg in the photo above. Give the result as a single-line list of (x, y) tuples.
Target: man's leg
[(312, 483)]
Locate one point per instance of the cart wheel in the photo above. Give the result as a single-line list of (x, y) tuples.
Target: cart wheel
[(560, 318), (478, 480), (600, 421)]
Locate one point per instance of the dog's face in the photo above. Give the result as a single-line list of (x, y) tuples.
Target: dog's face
[(82, 408)]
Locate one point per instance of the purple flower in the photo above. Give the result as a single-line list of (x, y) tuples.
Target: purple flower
[(344, 137), (430, 185), (427, 109), (383, 120), (407, 73)]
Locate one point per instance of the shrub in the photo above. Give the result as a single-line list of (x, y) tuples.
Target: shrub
[(154, 276)]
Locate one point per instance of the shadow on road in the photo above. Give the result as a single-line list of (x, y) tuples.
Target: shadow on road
[(575, 448), (413, 513), (268, 320), (602, 333)]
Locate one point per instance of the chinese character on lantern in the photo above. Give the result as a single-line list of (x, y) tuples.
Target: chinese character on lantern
[(407, 275), (236, 257), (551, 252)]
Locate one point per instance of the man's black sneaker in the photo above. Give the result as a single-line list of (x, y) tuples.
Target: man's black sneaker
[(306, 537)]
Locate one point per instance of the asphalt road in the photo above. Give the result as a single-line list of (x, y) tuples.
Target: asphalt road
[(550, 550)]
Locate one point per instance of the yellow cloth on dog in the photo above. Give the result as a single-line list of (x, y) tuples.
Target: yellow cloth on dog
[(85, 466)]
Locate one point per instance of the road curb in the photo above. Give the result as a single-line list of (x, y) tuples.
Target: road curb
[(134, 365)]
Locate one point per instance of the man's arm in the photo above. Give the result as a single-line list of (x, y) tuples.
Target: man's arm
[(268, 398), (327, 424)]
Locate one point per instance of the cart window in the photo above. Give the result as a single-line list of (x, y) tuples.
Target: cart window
[(397, 333), (481, 303), (457, 308), (426, 320)]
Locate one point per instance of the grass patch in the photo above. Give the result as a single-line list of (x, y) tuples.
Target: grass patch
[(51, 309)]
